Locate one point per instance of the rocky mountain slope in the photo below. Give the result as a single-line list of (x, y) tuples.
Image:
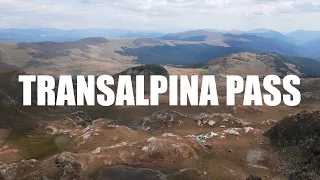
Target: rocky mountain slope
[(199, 143), (297, 138), (262, 64), (86, 56), (161, 142), (16, 117)]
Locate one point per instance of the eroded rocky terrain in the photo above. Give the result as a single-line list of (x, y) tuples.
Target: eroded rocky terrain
[(174, 143)]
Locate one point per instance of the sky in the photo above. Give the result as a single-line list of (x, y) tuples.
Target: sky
[(161, 15)]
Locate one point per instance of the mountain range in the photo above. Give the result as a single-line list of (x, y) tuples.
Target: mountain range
[(298, 43), (160, 142), (46, 34), (110, 56), (101, 55)]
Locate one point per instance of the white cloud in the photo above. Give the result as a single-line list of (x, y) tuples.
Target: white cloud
[(161, 14)]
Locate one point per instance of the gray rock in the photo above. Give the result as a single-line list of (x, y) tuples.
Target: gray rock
[(69, 168), (83, 118)]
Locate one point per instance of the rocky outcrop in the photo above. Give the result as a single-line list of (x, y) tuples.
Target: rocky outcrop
[(309, 89), (62, 166), (146, 70), (295, 130), (204, 119), (298, 138), (162, 119), (104, 144), (82, 118), (69, 167)]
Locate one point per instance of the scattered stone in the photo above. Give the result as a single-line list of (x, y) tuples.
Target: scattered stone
[(211, 122), (169, 135), (152, 140), (161, 119), (232, 131), (230, 151), (96, 151), (212, 134), (247, 129), (211, 119), (206, 136), (269, 121), (33, 160)]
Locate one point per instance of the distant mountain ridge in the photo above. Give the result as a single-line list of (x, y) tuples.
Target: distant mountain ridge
[(44, 34), (261, 40), (203, 45), (303, 36), (244, 64), (267, 33), (311, 48), (110, 55), (99, 55), (49, 34)]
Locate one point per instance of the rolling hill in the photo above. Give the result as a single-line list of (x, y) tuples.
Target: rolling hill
[(98, 55), (298, 43), (47, 34), (262, 64), (85, 56), (199, 49)]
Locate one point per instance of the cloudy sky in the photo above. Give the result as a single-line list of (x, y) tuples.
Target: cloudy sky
[(170, 15)]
